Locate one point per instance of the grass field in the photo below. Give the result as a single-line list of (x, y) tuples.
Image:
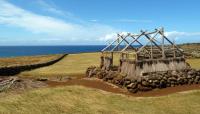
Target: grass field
[(195, 63), (81, 100), (76, 65), (73, 64), (16, 61)]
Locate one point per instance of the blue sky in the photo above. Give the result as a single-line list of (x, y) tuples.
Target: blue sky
[(93, 22)]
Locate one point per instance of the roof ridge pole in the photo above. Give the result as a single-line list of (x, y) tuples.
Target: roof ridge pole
[(149, 41), (148, 37)]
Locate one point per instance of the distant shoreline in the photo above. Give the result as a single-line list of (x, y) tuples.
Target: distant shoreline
[(21, 51)]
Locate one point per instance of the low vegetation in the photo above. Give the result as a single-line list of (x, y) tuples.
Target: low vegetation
[(77, 99), (192, 50), (76, 65), (71, 65), (195, 63), (17, 61)]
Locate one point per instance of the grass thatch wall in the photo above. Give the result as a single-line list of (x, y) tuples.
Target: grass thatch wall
[(137, 68)]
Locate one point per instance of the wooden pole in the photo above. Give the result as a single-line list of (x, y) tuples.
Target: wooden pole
[(151, 50), (119, 42), (111, 58), (133, 41), (118, 48), (171, 43), (109, 45), (136, 57), (163, 44), (127, 43), (174, 48)]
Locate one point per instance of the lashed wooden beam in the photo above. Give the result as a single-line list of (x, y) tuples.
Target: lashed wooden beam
[(119, 42), (171, 42), (152, 40), (126, 40), (147, 42), (136, 35), (110, 45), (140, 44), (133, 41)]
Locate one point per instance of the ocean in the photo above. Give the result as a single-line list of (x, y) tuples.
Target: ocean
[(14, 51)]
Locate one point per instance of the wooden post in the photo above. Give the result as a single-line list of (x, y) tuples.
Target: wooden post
[(136, 57), (102, 62), (163, 45), (151, 50), (174, 48), (111, 58), (118, 48)]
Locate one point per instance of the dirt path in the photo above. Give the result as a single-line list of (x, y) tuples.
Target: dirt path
[(98, 84)]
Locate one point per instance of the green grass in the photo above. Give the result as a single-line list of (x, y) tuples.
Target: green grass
[(77, 99)]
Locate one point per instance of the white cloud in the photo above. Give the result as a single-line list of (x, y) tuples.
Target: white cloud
[(112, 36), (181, 36), (12, 15), (93, 20), (133, 21), (56, 28), (108, 37), (52, 8)]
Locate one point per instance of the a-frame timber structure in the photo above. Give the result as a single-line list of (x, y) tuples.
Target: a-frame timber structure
[(143, 53)]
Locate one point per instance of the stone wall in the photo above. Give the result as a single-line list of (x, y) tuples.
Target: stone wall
[(149, 81), (13, 70)]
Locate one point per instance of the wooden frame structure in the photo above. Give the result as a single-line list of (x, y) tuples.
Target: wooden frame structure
[(146, 46), (156, 46)]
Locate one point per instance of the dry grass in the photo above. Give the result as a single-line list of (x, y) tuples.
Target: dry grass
[(195, 63), (190, 47), (76, 65), (16, 61), (73, 64), (77, 99)]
